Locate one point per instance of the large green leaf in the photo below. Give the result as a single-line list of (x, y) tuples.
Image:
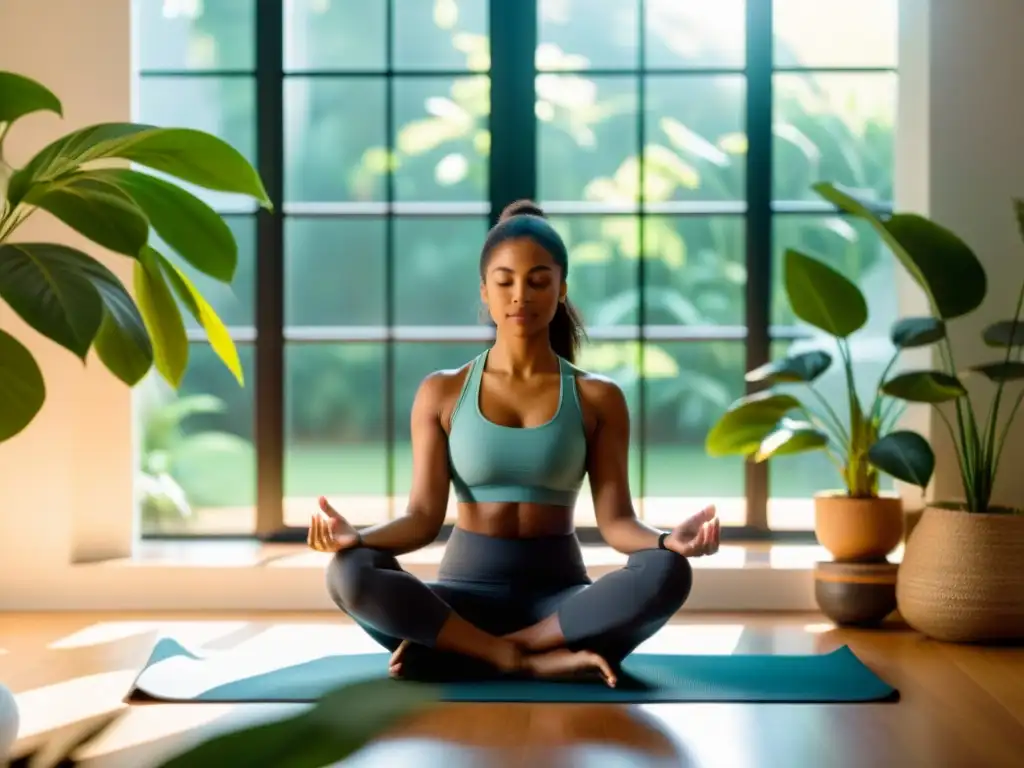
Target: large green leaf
[(1005, 333), (20, 96), (187, 154), (200, 309), (917, 332), (791, 437), (821, 296), (187, 224), (924, 387), (341, 723), (22, 389), (742, 428), (97, 209), (1009, 370), (801, 368), (906, 456), (162, 318), (46, 285), (936, 258)]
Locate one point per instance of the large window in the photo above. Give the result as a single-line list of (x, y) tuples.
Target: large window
[(673, 143)]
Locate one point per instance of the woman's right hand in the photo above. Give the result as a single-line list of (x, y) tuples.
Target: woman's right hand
[(329, 531)]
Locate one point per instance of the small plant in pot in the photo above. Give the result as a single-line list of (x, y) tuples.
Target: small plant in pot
[(857, 523), (961, 577)]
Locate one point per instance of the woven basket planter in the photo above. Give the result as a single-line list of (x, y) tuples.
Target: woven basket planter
[(962, 576)]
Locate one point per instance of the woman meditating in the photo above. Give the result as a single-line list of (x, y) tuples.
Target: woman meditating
[(515, 431)]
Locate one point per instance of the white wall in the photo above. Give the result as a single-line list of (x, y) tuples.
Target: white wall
[(960, 161), (66, 483)]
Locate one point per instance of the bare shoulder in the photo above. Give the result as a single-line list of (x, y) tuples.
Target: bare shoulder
[(439, 391), (601, 396)]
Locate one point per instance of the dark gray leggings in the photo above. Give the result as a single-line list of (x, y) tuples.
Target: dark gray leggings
[(503, 585)]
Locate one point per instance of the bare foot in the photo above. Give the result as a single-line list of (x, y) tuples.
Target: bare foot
[(395, 665), (565, 663)]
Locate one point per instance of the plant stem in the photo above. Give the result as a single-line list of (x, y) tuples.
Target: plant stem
[(1005, 433), (836, 422), (881, 382)]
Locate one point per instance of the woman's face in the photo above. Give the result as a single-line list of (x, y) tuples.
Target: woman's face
[(522, 287)]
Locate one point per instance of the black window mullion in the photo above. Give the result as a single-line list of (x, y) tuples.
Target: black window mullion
[(389, 264), (269, 400), (512, 161), (641, 271), (760, 53)]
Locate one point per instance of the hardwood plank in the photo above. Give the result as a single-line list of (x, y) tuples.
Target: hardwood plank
[(960, 705)]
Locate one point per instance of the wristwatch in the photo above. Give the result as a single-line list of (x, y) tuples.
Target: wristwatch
[(661, 540)]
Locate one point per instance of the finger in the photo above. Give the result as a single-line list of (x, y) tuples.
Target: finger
[(322, 540), (328, 509), (606, 671), (330, 545), (314, 532), (707, 514), (309, 531), (396, 657)]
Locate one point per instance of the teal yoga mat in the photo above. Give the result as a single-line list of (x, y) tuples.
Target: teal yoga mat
[(173, 673)]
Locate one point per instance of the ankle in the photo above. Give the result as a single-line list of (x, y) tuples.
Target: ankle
[(510, 658)]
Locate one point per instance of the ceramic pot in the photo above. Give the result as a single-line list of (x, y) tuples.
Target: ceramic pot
[(9, 722), (961, 579), (858, 530), (856, 594)]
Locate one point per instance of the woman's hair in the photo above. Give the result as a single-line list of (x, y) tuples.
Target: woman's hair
[(524, 218)]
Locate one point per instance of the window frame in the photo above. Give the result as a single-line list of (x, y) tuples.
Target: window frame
[(512, 175)]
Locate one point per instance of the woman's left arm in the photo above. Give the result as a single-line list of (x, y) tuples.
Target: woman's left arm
[(608, 468)]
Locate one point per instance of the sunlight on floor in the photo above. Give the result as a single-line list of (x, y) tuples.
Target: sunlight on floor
[(54, 706), (191, 632)]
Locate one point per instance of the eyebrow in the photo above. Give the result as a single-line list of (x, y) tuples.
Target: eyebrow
[(538, 268)]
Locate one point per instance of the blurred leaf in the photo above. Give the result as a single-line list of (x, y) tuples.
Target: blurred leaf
[(421, 136), (188, 225), (1005, 333), (95, 208), (924, 387), (338, 725), (1009, 370), (20, 96), (216, 332), (791, 437), (162, 318), (823, 297), (22, 389), (801, 368), (684, 139), (904, 455), (746, 424), (917, 332), (47, 285), (734, 143)]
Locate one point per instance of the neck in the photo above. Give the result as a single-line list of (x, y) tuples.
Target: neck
[(523, 355)]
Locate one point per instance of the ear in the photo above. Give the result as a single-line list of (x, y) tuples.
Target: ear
[(563, 293), (483, 292)]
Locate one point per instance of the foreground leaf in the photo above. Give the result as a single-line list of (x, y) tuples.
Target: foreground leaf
[(791, 437), (340, 724), (46, 285), (819, 295), (746, 424), (20, 96), (162, 318), (217, 333), (22, 389), (1009, 370), (1005, 333), (917, 332), (924, 387), (96, 209), (802, 368), (904, 455), (187, 224)]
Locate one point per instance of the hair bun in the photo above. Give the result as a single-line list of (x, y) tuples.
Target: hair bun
[(521, 208)]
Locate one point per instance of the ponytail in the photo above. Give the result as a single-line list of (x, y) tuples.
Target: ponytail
[(566, 332)]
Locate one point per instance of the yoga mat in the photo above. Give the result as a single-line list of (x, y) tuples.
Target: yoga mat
[(173, 673)]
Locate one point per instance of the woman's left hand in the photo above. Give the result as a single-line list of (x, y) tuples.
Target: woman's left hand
[(697, 535)]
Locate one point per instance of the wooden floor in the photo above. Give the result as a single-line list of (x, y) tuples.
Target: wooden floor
[(960, 705)]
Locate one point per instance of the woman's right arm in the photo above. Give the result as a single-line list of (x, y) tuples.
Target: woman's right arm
[(428, 500)]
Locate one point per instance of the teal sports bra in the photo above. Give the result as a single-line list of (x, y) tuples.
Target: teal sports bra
[(545, 464)]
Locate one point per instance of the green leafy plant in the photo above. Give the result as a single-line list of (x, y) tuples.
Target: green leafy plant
[(86, 180), (955, 284), (772, 423), (339, 724)]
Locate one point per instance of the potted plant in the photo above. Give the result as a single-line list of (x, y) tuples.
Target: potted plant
[(72, 299), (961, 577), (856, 523)]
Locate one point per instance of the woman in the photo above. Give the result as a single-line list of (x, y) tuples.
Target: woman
[(515, 431)]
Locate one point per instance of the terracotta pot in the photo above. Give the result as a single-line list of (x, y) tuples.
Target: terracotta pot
[(962, 578), (858, 530), (856, 594)]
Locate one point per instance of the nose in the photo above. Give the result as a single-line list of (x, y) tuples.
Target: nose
[(519, 293)]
